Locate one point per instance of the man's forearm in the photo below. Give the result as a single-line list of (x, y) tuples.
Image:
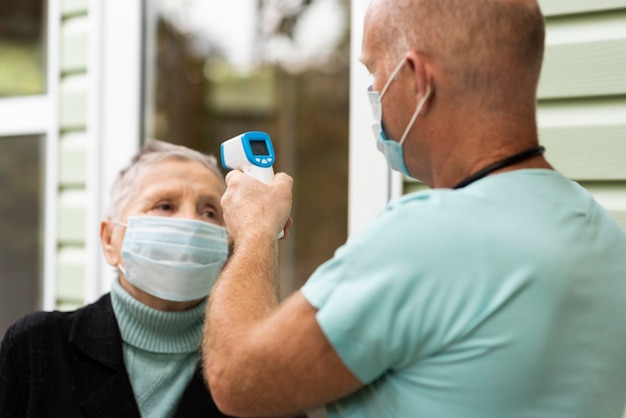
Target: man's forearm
[(245, 293)]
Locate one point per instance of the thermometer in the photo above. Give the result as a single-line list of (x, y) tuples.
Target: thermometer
[(253, 153)]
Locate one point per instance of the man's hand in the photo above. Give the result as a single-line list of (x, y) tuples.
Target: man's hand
[(252, 207)]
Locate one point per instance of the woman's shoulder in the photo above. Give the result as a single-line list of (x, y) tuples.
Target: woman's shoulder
[(34, 327), (44, 325)]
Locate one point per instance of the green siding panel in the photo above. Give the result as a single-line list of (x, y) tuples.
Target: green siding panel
[(72, 160), (561, 7), (67, 306), (588, 69), (620, 216), (611, 195), (587, 152), (74, 41), (70, 275), (73, 7), (73, 112), (71, 212), (412, 185)]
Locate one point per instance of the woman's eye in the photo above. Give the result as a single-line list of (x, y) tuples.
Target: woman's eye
[(165, 207), (209, 213)]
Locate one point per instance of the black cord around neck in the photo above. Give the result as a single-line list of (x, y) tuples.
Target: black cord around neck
[(529, 153)]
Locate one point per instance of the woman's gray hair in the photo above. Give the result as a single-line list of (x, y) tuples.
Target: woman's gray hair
[(152, 153)]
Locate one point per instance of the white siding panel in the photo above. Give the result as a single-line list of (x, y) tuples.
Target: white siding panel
[(561, 7), (71, 226), (74, 44), (74, 102), (72, 159), (71, 270), (72, 7)]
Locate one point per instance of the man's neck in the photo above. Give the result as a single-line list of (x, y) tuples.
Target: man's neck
[(480, 143)]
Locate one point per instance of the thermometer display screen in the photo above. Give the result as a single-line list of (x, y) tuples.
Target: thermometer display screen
[(259, 148)]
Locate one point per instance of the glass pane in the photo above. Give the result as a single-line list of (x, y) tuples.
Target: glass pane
[(21, 247), (22, 47), (218, 69)]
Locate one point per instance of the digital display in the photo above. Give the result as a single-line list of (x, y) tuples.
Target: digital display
[(259, 147)]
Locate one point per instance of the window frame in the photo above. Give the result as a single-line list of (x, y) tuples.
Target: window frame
[(114, 123), (19, 120), (371, 183)]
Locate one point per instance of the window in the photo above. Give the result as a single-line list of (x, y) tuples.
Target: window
[(26, 128), (21, 246), (22, 49), (217, 69)]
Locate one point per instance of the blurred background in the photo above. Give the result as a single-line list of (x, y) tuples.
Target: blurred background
[(208, 71), (84, 82), (217, 69)]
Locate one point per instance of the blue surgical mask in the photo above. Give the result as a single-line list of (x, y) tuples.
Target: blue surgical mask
[(392, 150), (171, 258)]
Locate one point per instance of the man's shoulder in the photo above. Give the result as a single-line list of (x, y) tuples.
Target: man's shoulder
[(431, 208)]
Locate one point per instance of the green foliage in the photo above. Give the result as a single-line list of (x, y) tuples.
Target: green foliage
[(22, 70)]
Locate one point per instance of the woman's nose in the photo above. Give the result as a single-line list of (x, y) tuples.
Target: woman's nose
[(188, 211)]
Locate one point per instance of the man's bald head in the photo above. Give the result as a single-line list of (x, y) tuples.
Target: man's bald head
[(485, 48)]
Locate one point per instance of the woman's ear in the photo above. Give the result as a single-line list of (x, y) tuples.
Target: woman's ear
[(110, 245)]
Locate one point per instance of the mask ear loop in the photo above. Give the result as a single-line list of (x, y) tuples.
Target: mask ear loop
[(121, 268), (393, 75), (415, 115)]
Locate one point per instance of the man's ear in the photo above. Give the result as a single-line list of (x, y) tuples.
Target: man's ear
[(106, 238), (422, 76)]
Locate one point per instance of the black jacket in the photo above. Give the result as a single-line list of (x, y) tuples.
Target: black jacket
[(70, 364)]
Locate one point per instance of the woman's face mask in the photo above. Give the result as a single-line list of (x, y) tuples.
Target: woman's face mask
[(172, 258), (392, 150)]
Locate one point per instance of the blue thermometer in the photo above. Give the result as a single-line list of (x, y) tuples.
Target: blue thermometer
[(253, 153)]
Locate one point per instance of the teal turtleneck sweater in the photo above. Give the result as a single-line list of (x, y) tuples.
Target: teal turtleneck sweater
[(161, 350)]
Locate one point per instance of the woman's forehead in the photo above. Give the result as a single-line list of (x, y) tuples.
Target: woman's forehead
[(172, 174)]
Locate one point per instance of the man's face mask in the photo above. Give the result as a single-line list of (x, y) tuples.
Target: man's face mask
[(392, 150), (171, 258)]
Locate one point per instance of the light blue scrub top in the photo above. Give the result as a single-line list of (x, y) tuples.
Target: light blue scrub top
[(504, 299)]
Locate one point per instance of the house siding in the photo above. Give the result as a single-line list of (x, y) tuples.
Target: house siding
[(582, 97), (72, 197)]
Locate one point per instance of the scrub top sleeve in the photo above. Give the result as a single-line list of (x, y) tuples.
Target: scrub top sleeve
[(358, 308)]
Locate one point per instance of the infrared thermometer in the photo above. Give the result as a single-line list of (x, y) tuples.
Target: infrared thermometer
[(253, 153)]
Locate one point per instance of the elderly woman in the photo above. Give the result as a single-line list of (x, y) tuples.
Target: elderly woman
[(135, 351)]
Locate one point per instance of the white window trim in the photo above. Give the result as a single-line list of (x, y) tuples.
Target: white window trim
[(38, 115), (52, 159), (25, 115), (371, 183), (114, 119)]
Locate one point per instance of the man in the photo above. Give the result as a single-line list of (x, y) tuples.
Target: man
[(499, 293)]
